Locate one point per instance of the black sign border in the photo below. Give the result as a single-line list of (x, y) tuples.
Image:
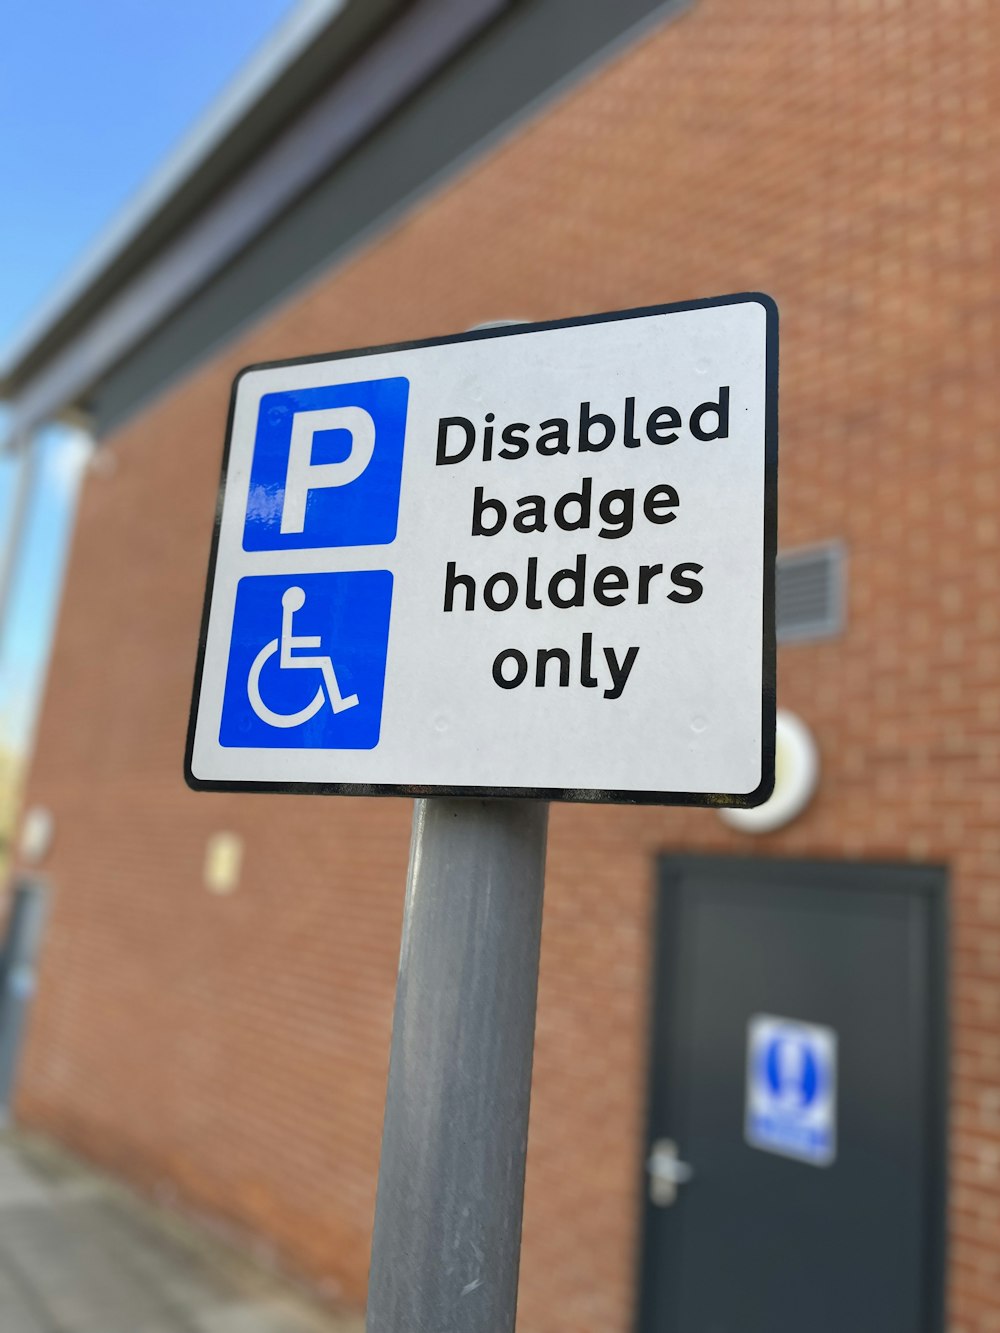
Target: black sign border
[(597, 796)]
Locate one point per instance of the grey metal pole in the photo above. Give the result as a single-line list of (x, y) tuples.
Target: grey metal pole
[(451, 1183)]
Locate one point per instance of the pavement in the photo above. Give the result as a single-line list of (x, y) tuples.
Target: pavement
[(80, 1254)]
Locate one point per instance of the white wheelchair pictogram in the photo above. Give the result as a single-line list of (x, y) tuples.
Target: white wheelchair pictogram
[(292, 600)]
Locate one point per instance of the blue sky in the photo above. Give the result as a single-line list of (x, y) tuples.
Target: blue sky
[(92, 98)]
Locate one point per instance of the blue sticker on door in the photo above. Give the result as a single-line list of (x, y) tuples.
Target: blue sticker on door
[(791, 1095)]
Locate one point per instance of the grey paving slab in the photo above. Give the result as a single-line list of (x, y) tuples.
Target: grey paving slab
[(18, 1306), (79, 1254), (18, 1183), (260, 1317), (61, 1253)]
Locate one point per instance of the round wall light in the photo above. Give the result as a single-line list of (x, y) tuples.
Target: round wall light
[(796, 775), (496, 324)]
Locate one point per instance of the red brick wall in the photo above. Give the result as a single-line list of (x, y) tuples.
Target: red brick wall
[(840, 154)]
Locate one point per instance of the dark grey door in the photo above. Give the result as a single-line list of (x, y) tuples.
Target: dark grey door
[(757, 1240)]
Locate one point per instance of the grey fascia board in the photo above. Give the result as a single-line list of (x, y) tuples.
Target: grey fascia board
[(287, 259), (251, 85), (394, 67)]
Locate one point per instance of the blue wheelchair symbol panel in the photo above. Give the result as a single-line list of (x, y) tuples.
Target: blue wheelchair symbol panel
[(326, 466), (307, 661), (791, 1102)]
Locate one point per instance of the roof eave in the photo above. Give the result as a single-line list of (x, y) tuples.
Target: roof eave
[(229, 132)]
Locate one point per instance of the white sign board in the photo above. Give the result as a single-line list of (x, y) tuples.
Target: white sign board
[(791, 1101), (535, 560)]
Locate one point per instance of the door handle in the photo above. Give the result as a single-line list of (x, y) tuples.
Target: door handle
[(666, 1172)]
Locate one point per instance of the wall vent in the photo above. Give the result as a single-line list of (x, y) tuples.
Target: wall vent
[(809, 593)]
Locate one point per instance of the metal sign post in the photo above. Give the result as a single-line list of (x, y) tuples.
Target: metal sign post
[(516, 565), (451, 1183)]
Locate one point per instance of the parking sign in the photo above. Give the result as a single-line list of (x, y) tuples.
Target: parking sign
[(535, 560), (326, 466)]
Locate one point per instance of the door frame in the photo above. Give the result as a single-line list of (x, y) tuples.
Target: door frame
[(929, 884)]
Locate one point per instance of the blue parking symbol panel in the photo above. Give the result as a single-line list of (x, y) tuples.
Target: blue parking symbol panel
[(791, 1094), (307, 661), (326, 466)]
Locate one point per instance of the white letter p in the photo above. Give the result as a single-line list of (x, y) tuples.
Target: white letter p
[(303, 475)]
